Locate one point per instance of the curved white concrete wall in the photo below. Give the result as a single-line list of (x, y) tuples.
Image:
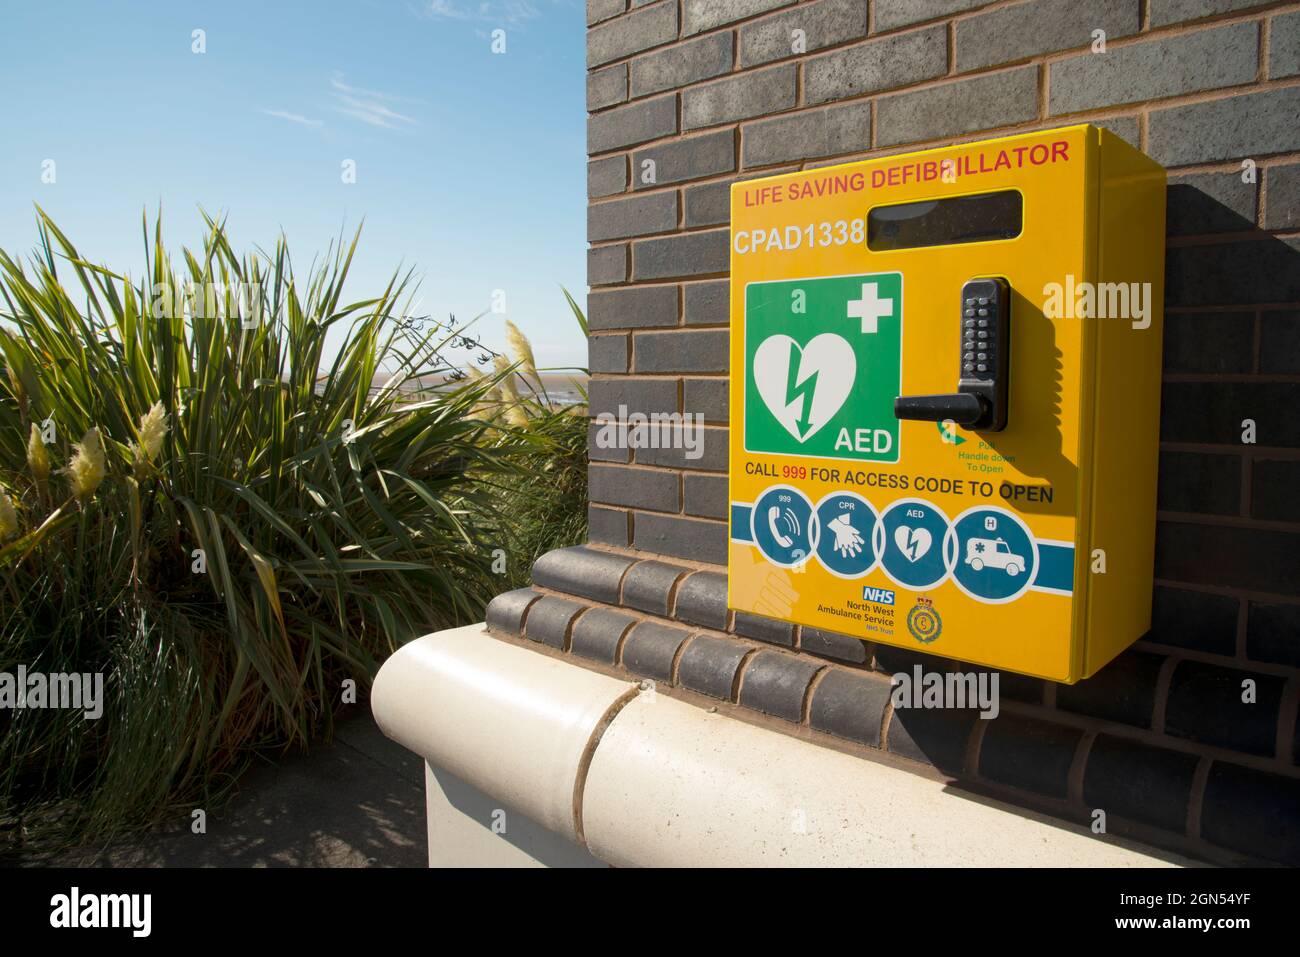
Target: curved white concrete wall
[(673, 785), (513, 723), (670, 784)]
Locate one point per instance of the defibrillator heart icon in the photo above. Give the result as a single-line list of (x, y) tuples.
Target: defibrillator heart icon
[(824, 370), (913, 542)]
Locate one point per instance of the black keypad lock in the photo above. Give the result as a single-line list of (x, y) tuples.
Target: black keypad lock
[(980, 402)]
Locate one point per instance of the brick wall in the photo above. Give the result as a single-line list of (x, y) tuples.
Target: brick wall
[(710, 91)]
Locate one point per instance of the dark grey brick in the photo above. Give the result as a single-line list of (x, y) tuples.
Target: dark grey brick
[(824, 24), (1215, 342), (597, 634), (1125, 127), (704, 495), (709, 665), (1209, 203), (1123, 691), (710, 454), (1284, 46), (505, 613), (707, 303), (807, 135), (757, 93), (638, 308), (1282, 211), (680, 537), (636, 487), (607, 353), (831, 644), (1249, 125), (692, 158), (706, 397), (1221, 407), (1139, 782), (688, 254), (633, 216), (1029, 754), (1259, 559), (1025, 30), (1170, 66), (607, 176), (1193, 482), (1232, 274), (598, 10), (772, 630), (891, 660), (650, 648), (776, 684), (1273, 632), (632, 124), (1279, 342), (606, 87), (607, 264), (1252, 811), (582, 571), (602, 445), (935, 736), (1273, 488), (891, 14), (684, 63), (549, 619), (638, 395), (694, 350), (849, 705), (708, 204), (983, 103), (1011, 686), (607, 526), (885, 64), (702, 600), (1165, 12), (631, 34), (1205, 706), (1193, 619), (701, 15), (648, 586)]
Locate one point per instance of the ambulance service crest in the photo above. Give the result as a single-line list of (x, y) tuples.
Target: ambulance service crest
[(923, 621)]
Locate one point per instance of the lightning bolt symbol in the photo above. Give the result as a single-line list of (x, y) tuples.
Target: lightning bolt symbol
[(912, 546), (795, 389)]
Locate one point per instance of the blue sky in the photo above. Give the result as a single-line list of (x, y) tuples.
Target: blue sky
[(469, 164)]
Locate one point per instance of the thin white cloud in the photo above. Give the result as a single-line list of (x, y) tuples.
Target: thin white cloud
[(293, 117), (369, 106), (498, 11)]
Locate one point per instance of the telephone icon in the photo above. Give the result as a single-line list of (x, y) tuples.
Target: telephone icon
[(775, 518)]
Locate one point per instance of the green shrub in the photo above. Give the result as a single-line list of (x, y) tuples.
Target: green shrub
[(229, 525)]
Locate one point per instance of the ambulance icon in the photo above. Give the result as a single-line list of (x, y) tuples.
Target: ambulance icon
[(993, 553)]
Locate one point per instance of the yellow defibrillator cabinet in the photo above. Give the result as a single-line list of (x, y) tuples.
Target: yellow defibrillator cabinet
[(945, 398)]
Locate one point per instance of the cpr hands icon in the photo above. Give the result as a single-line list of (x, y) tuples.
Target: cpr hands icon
[(848, 540)]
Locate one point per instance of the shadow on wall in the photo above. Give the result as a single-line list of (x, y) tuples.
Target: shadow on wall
[(1226, 497)]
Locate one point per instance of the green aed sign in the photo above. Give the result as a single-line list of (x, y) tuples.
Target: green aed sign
[(823, 364)]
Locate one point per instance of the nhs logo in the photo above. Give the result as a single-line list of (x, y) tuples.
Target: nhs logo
[(880, 596)]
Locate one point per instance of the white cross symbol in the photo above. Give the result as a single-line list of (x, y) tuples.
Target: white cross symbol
[(870, 307)]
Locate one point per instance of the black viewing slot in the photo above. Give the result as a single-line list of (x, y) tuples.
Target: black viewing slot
[(946, 222)]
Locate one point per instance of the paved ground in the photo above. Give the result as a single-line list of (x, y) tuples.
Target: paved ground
[(357, 802)]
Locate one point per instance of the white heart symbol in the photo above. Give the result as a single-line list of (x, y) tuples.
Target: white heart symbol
[(912, 542), (811, 403)]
